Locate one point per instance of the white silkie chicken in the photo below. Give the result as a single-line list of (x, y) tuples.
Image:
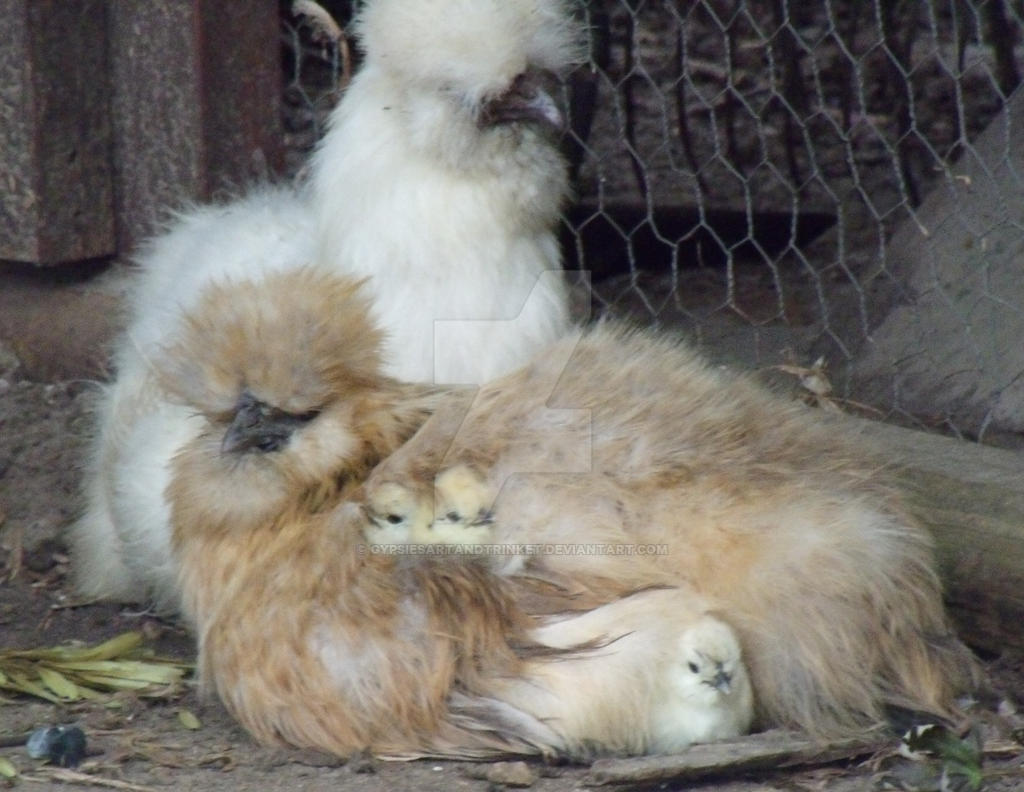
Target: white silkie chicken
[(439, 179)]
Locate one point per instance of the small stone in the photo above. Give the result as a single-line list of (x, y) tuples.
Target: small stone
[(63, 746), (71, 749), (512, 774), (39, 742), (41, 558)]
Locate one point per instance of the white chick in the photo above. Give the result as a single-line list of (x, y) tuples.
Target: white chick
[(707, 695), (631, 688), (439, 179)]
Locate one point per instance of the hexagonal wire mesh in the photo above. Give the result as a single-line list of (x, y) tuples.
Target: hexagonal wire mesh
[(827, 188)]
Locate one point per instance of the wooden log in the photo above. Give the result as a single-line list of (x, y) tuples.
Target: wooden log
[(56, 184), (971, 497), (772, 750)]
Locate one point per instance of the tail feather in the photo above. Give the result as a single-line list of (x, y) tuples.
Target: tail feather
[(857, 627), (480, 727)]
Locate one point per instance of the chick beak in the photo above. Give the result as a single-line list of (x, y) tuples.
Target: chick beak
[(257, 426), (722, 681), (483, 517), (528, 100)]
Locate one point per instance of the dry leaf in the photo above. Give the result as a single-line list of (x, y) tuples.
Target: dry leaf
[(188, 720), (58, 683), (7, 770), (73, 673)]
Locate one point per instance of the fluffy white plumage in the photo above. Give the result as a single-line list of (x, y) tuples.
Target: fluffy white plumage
[(438, 179), (422, 185), (121, 542)]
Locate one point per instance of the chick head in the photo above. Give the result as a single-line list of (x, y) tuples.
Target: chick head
[(710, 665), (397, 514), (463, 507)]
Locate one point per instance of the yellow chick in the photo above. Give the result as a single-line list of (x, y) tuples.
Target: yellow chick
[(462, 512), (396, 517)]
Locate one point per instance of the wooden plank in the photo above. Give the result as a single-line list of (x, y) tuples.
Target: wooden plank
[(195, 103), (241, 82), (972, 499), (56, 183)]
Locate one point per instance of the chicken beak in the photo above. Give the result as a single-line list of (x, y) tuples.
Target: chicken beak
[(257, 427), (529, 100), (722, 681)]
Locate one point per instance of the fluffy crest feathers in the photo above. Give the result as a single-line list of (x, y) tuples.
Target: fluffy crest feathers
[(495, 41), (293, 339)]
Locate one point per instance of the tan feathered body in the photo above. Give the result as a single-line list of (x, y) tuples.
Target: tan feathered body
[(309, 643), (306, 640), (625, 438), (309, 638)]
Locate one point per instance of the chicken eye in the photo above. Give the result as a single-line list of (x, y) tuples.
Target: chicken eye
[(453, 516), (267, 444), (693, 667), (257, 426), (394, 519)]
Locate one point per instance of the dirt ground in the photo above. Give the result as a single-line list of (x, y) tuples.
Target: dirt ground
[(139, 743)]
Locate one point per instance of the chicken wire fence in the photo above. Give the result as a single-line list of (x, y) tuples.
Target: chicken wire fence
[(829, 190)]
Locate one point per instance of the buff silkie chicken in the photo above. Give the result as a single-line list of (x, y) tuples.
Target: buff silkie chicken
[(439, 179), (630, 442), (313, 641)]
